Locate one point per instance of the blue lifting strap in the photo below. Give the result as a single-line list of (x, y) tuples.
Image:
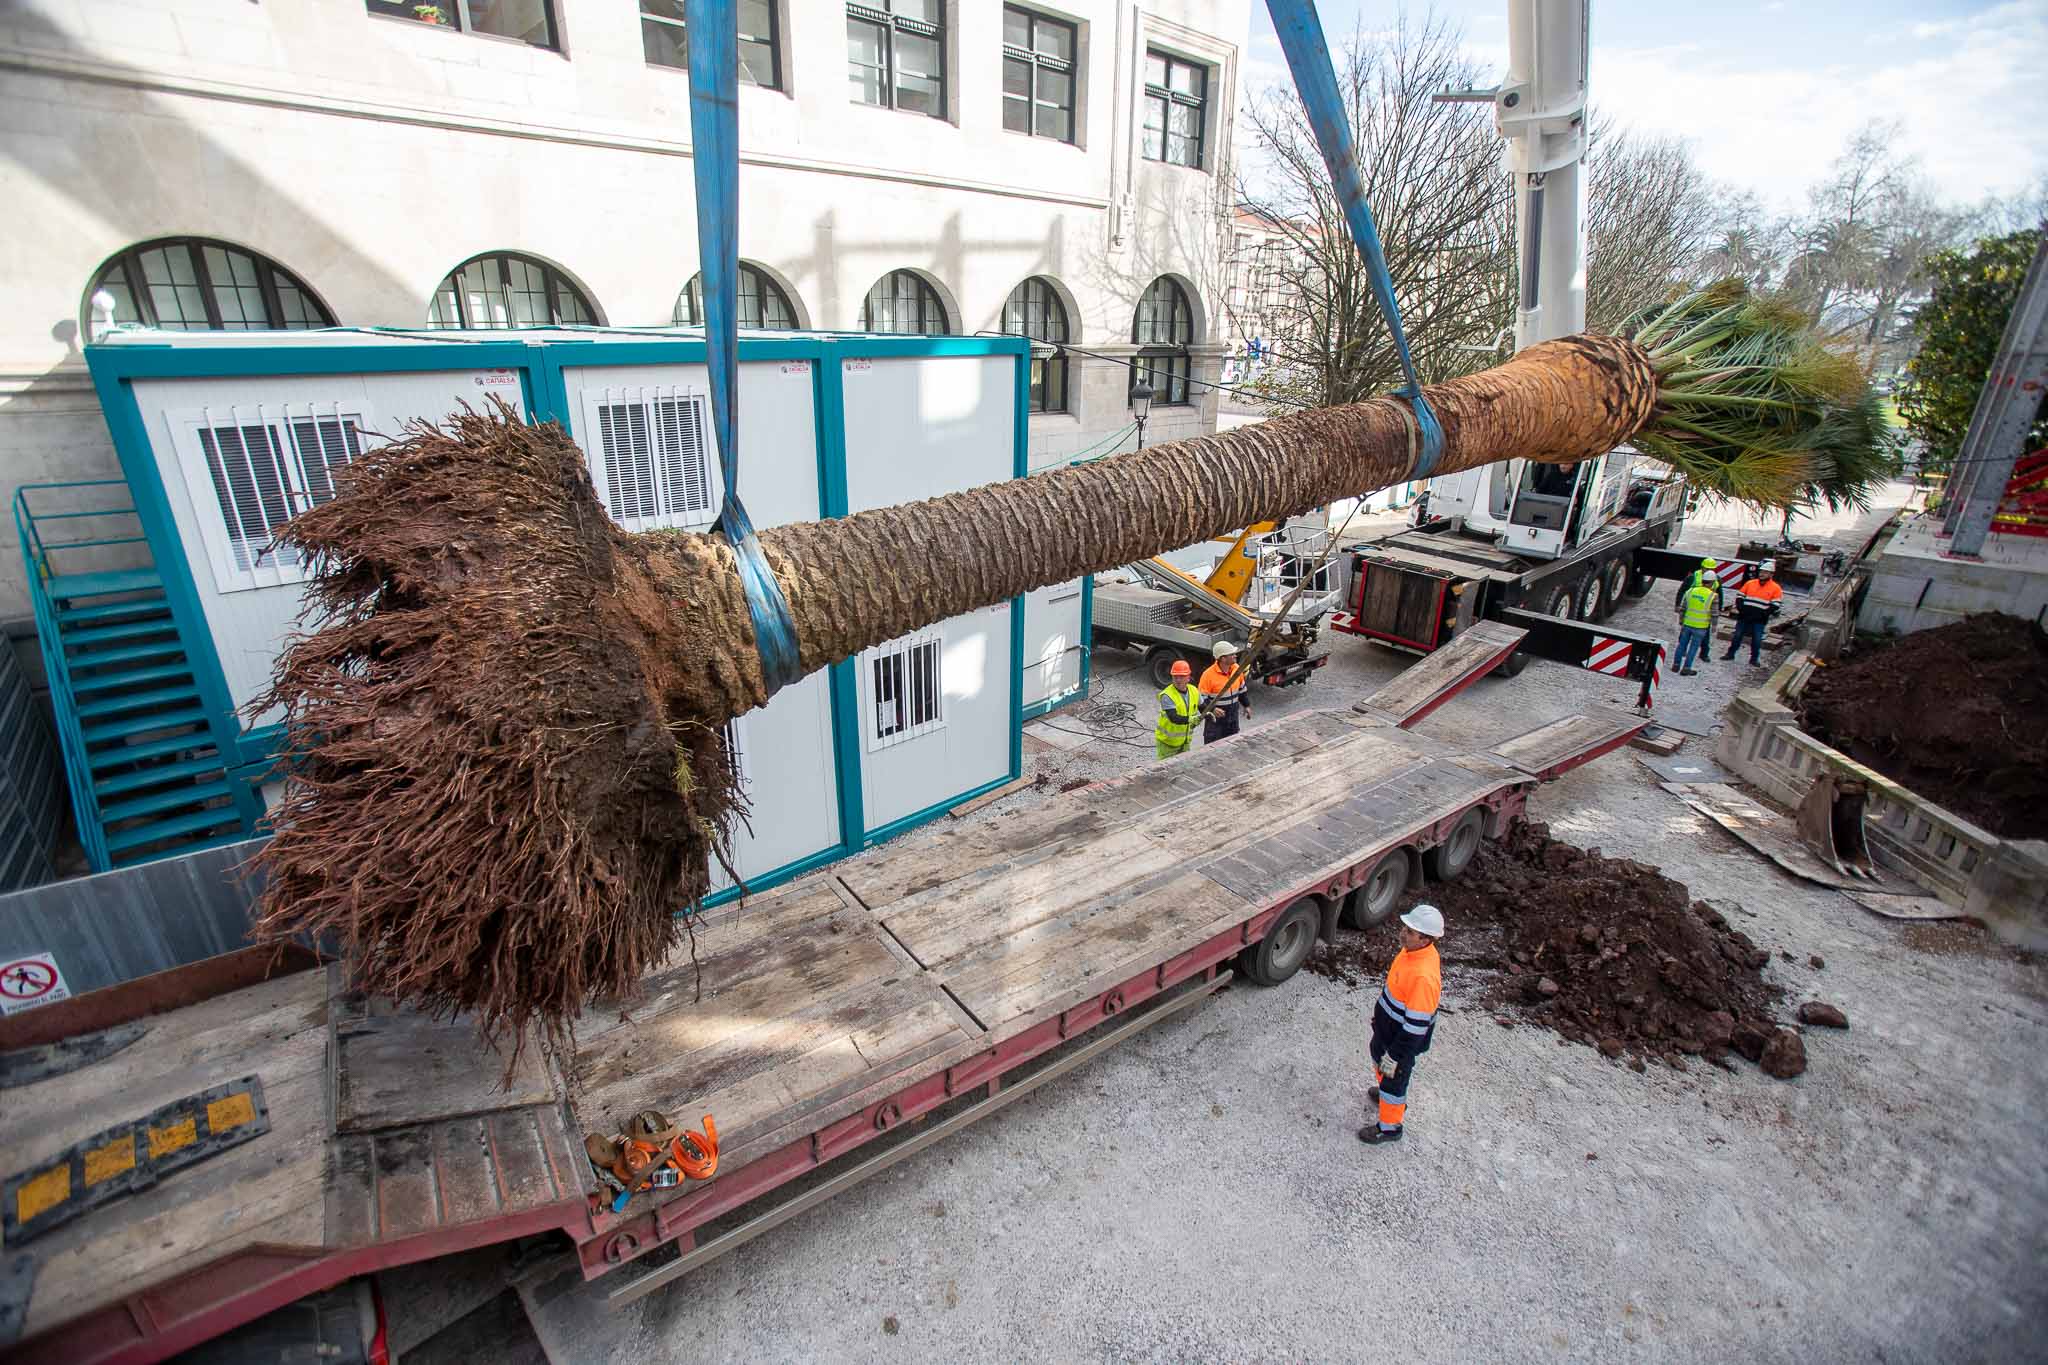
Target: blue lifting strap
[(1308, 58), (713, 29)]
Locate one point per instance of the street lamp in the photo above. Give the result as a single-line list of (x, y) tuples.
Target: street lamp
[(1141, 408)]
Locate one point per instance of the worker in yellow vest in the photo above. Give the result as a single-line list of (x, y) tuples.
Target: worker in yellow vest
[(1696, 624), (1404, 1020), (1180, 710)]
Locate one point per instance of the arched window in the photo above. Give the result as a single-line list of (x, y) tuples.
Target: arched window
[(508, 290), (902, 301), (762, 302), (191, 284), (1164, 326), (1034, 310)]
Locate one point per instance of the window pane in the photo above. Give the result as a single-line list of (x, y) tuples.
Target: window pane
[(1155, 69), (757, 63), (1055, 104), (527, 20), (757, 21), (664, 44), (1179, 151), (298, 309), (1017, 28), (919, 67), (1155, 128), (1187, 80), (569, 304), (124, 301), (1016, 76), (927, 10), (1016, 114), (1054, 40), (864, 71)]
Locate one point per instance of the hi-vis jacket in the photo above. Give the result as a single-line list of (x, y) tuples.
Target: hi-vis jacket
[(1700, 603), (1404, 1020), (1180, 710)]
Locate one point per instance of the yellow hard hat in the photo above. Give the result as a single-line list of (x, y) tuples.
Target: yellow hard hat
[(1710, 563)]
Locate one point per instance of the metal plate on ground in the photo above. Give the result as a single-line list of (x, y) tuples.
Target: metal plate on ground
[(131, 1157), (1699, 727), (1763, 829), (1904, 907), (1059, 737), (1686, 769), (25, 1065)]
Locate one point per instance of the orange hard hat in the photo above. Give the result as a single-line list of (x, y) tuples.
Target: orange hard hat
[(1181, 669)]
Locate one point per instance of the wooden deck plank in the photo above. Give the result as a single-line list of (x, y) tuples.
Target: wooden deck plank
[(463, 1170), (1425, 684), (882, 883), (529, 1173), (408, 1195), (1542, 750), (939, 925)]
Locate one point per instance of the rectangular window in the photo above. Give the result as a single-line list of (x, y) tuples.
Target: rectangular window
[(896, 54), (905, 695), (1176, 109), (258, 467), (652, 464), (1038, 75), (525, 21), (1167, 374), (663, 42)]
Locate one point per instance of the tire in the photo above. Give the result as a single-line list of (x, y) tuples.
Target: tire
[(1375, 898), (1160, 660), (1613, 586), (1457, 850), (1639, 583), (1586, 598), (1286, 945), (1557, 600), (1512, 666)]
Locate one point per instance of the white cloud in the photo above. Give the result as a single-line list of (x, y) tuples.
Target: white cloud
[(1971, 100)]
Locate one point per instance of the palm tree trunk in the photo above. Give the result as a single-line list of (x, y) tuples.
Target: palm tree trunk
[(871, 577)]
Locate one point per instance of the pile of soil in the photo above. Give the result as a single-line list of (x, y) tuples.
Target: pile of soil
[(1958, 714), (1608, 952)]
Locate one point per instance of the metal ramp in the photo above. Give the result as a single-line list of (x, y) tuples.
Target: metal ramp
[(1438, 676), (149, 776)]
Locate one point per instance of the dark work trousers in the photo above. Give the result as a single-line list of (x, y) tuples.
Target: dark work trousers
[(1220, 723), (1753, 631)]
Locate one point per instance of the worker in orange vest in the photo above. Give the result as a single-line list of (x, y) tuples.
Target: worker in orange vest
[(1756, 602), (1221, 701), (1404, 1020)]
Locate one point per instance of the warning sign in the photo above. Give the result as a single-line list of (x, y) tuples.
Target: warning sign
[(26, 982)]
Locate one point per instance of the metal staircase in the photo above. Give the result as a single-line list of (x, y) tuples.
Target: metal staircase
[(149, 774)]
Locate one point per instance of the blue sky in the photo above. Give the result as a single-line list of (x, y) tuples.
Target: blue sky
[(1768, 91)]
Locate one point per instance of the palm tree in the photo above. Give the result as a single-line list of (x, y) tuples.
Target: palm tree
[(506, 733)]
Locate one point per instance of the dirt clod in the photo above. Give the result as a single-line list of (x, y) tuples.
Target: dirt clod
[(1982, 753), (1816, 962), (1825, 1015), (1784, 1056)]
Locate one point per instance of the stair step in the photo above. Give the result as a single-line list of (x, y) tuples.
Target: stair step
[(129, 677), (234, 836), (136, 701), (64, 585), (156, 830), (157, 775), (157, 802), (121, 755), (135, 725), (109, 611), (129, 630), (106, 658)]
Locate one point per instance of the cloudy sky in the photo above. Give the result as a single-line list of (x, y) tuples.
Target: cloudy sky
[(1768, 91)]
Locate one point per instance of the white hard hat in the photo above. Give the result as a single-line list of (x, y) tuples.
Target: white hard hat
[(1223, 649), (1425, 919)]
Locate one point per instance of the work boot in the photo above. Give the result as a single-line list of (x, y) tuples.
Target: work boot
[(1372, 1135), (1372, 1093)]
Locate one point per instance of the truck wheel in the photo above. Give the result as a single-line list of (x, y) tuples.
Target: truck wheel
[(1613, 583), (1557, 601), (1374, 899), (1286, 945), (1639, 583), (1459, 847), (1586, 598), (1160, 660)]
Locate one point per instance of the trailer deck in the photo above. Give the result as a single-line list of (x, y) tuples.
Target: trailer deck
[(814, 1021)]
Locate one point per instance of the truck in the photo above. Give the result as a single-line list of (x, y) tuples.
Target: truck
[(1551, 551), (1168, 614), (188, 1152)]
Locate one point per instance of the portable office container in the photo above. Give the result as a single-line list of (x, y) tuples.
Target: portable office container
[(222, 435)]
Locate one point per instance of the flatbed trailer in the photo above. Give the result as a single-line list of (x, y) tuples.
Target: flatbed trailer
[(889, 1001)]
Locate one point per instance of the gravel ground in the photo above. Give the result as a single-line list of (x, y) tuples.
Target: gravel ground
[(1198, 1192)]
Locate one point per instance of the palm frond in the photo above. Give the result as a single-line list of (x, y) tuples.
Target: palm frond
[(1753, 406)]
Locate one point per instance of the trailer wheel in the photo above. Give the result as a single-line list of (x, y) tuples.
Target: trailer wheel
[(1451, 857), (1160, 660), (1613, 583), (1286, 945), (1586, 598), (1375, 898), (1512, 666)]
